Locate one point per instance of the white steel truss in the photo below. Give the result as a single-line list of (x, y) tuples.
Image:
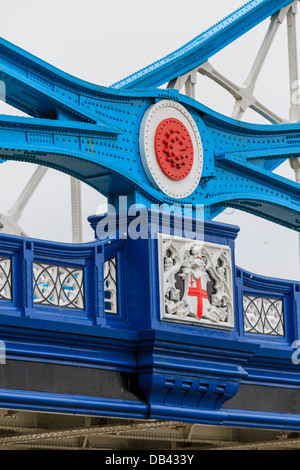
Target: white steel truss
[(9, 222)]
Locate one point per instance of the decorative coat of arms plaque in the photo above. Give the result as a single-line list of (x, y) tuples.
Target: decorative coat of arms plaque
[(195, 282)]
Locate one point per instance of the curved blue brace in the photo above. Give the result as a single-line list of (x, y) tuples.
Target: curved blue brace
[(92, 132), (204, 46)]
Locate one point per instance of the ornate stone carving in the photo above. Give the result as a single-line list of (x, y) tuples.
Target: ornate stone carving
[(263, 315), (58, 286), (195, 282), (5, 279), (110, 286)]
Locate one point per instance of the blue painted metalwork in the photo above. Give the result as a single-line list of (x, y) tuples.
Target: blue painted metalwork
[(184, 371), (203, 46), (92, 132)]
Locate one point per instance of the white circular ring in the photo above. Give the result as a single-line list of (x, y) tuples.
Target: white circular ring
[(167, 109)]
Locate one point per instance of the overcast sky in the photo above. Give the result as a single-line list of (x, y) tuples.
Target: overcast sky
[(103, 42)]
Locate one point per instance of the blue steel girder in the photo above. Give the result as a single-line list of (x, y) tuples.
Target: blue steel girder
[(204, 46), (92, 132)]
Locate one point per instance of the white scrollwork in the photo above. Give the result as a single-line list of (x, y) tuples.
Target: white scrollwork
[(263, 315), (110, 286), (58, 286), (5, 279), (196, 282)]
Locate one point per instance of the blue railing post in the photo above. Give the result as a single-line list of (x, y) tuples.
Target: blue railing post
[(296, 310), (98, 302), (239, 312), (27, 277)]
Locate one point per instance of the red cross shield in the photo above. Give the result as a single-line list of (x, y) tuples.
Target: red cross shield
[(198, 292)]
